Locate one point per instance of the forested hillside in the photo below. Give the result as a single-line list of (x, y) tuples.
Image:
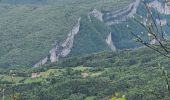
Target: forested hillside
[(31, 28), (135, 74), (84, 50), (37, 32)]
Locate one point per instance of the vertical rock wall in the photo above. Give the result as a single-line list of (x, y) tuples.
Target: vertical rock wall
[(97, 14), (41, 62), (110, 42), (116, 17), (162, 9), (68, 43)]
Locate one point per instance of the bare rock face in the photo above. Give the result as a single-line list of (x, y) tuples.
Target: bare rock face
[(68, 43), (161, 22), (41, 62), (154, 42), (121, 15), (158, 6), (110, 42), (167, 9), (61, 50), (97, 14), (53, 55)]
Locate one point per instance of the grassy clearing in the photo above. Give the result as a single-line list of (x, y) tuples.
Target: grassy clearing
[(51, 72), (90, 98), (9, 78)]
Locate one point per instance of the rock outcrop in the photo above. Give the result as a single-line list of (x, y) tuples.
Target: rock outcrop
[(68, 43), (41, 62), (110, 43), (62, 49), (53, 54), (161, 22), (119, 16), (97, 14), (159, 7), (154, 42)]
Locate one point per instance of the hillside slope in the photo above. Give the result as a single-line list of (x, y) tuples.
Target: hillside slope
[(36, 32), (29, 31)]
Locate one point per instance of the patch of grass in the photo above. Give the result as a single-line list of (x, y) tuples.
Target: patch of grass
[(90, 98), (81, 68), (33, 80), (9, 79), (47, 73)]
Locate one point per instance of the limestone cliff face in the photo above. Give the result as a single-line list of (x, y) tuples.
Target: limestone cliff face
[(154, 42), (116, 17), (62, 49), (110, 42), (162, 9), (161, 22), (41, 62), (158, 6), (53, 54), (68, 43), (97, 14)]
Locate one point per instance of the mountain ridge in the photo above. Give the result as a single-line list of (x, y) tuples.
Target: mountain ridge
[(30, 31), (33, 35)]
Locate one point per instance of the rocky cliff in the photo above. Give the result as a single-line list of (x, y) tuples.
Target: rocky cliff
[(110, 18), (97, 14), (116, 17), (61, 49), (159, 7), (41, 62), (110, 43), (68, 43)]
